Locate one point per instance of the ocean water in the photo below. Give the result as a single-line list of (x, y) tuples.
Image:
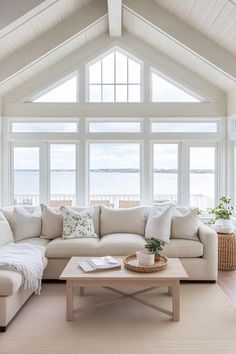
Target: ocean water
[(108, 183)]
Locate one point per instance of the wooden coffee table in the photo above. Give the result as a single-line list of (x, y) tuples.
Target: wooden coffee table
[(170, 278)]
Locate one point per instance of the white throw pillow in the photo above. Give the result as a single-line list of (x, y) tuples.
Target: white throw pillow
[(184, 223), (77, 225), (159, 223), (25, 224), (52, 222)]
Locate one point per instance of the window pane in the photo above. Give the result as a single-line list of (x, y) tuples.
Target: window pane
[(26, 175), (95, 93), (165, 180), (121, 68), (134, 93), (115, 174), (108, 69), (134, 72), (95, 73), (202, 177), (108, 93), (165, 91), (62, 174), (121, 93), (65, 92), (44, 127), (188, 127), (114, 127)]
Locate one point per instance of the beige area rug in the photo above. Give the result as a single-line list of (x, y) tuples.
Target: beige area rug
[(207, 326)]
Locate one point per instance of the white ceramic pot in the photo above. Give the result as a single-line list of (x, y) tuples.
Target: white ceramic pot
[(224, 223), (145, 258)]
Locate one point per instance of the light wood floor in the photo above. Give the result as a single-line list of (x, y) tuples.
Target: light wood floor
[(227, 281)]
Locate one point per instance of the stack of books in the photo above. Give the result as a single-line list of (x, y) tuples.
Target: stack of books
[(100, 263)]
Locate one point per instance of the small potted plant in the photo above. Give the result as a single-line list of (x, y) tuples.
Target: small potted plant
[(222, 212), (155, 247)]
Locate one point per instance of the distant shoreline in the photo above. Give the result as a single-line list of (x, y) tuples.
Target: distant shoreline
[(123, 170)]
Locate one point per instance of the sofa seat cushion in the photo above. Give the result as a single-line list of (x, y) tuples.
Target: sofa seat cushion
[(66, 248), (37, 241), (10, 282), (120, 244), (180, 248)]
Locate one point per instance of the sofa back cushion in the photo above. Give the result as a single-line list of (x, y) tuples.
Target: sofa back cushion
[(52, 220), (125, 220), (25, 224), (6, 234), (184, 223)]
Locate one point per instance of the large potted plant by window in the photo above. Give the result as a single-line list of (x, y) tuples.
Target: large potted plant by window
[(222, 213)]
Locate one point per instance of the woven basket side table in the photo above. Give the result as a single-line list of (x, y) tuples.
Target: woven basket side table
[(227, 251)]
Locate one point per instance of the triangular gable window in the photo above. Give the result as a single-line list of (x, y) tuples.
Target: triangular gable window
[(63, 92), (165, 91)]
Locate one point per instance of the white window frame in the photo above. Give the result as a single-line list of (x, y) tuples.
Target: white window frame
[(163, 142), (117, 141), (51, 86), (100, 57), (174, 82)]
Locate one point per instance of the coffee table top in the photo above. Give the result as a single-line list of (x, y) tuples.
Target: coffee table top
[(72, 271)]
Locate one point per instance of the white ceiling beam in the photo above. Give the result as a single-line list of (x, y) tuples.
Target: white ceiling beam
[(53, 39), (169, 109), (183, 34), (115, 17)]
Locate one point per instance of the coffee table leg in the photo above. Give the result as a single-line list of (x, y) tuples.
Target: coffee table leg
[(81, 291), (69, 300), (170, 291), (176, 301)]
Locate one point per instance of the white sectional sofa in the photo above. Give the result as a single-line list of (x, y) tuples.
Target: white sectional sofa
[(121, 232)]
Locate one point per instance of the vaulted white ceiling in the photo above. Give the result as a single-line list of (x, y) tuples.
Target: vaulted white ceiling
[(215, 19), (198, 34)]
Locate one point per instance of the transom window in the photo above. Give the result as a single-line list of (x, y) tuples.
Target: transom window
[(114, 78)]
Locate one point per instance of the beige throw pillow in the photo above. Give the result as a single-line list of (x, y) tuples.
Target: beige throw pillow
[(124, 220), (159, 223), (52, 222), (184, 223), (25, 224)]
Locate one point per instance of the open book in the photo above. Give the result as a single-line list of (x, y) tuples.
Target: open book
[(100, 263)]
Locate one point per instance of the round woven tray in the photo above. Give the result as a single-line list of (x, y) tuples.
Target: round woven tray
[(227, 251), (131, 263)]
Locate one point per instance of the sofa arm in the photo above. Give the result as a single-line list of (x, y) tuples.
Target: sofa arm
[(209, 238), (6, 235)]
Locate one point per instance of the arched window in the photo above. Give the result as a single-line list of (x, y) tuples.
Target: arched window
[(116, 77)]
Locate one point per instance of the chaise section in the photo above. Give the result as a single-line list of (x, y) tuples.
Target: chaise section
[(10, 282)]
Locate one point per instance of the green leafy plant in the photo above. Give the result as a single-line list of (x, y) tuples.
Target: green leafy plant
[(155, 246), (223, 210)]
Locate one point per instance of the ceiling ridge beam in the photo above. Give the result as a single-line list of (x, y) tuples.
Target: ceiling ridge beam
[(53, 39), (184, 35), (115, 17)]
